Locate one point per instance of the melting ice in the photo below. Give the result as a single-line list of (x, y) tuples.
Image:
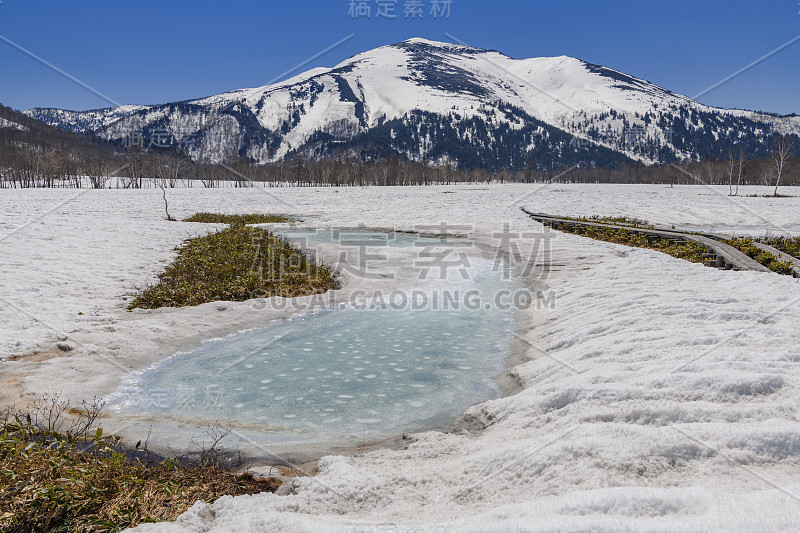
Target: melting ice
[(341, 373)]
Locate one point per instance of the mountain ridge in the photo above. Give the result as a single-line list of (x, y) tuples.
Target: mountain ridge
[(445, 103)]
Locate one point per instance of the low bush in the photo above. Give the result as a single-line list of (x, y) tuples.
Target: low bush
[(80, 479), (787, 245), (688, 250), (217, 218), (617, 221), (236, 264), (747, 247), (620, 221)]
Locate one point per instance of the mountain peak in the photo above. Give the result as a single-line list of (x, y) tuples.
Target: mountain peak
[(425, 99), (423, 42)]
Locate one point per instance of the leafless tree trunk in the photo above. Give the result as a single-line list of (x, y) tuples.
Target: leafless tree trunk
[(779, 156), (207, 174), (98, 171), (731, 168), (135, 170), (166, 205), (742, 161)]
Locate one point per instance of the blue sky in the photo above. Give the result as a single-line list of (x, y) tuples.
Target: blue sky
[(160, 51)]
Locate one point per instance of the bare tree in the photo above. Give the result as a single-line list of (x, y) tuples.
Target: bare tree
[(731, 168), (135, 169), (98, 170), (735, 167), (712, 172), (779, 156), (742, 163), (241, 170), (207, 175), (166, 204), (169, 168)]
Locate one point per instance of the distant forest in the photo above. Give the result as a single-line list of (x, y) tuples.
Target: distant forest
[(37, 155)]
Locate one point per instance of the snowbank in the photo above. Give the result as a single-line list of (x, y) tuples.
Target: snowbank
[(660, 395)]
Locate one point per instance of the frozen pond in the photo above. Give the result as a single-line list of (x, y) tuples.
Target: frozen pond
[(344, 375), (355, 237)]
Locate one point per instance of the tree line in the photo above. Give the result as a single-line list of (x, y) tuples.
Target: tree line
[(28, 166), (37, 155)]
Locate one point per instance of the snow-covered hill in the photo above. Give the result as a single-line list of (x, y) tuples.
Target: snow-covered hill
[(13, 125), (429, 100)]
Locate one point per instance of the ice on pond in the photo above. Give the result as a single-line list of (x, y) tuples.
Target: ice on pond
[(359, 237), (339, 374)]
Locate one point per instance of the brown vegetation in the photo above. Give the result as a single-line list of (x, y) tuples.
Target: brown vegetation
[(688, 250), (236, 264), (80, 480)]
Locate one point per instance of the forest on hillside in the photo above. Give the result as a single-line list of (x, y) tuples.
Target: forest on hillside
[(33, 154)]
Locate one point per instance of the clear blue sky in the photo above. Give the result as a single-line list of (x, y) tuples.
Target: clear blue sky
[(160, 51)]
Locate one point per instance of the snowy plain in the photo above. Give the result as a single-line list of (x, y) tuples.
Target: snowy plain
[(658, 395)]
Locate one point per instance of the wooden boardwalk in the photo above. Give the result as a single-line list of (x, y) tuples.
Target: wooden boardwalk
[(722, 255)]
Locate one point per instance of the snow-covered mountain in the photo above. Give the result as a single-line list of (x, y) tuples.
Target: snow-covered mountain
[(441, 102)]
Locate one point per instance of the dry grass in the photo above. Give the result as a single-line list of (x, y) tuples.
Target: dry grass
[(217, 218), (787, 245), (746, 246), (236, 264), (618, 221), (687, 250), (52, 481)]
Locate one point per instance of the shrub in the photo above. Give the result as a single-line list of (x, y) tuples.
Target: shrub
[(688, 250), (67, 481), (236, 264), (217, 218), (747, 247), (787, 245), (619, 221)]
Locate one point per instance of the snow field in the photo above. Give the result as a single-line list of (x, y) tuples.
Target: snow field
[(659, 395)]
